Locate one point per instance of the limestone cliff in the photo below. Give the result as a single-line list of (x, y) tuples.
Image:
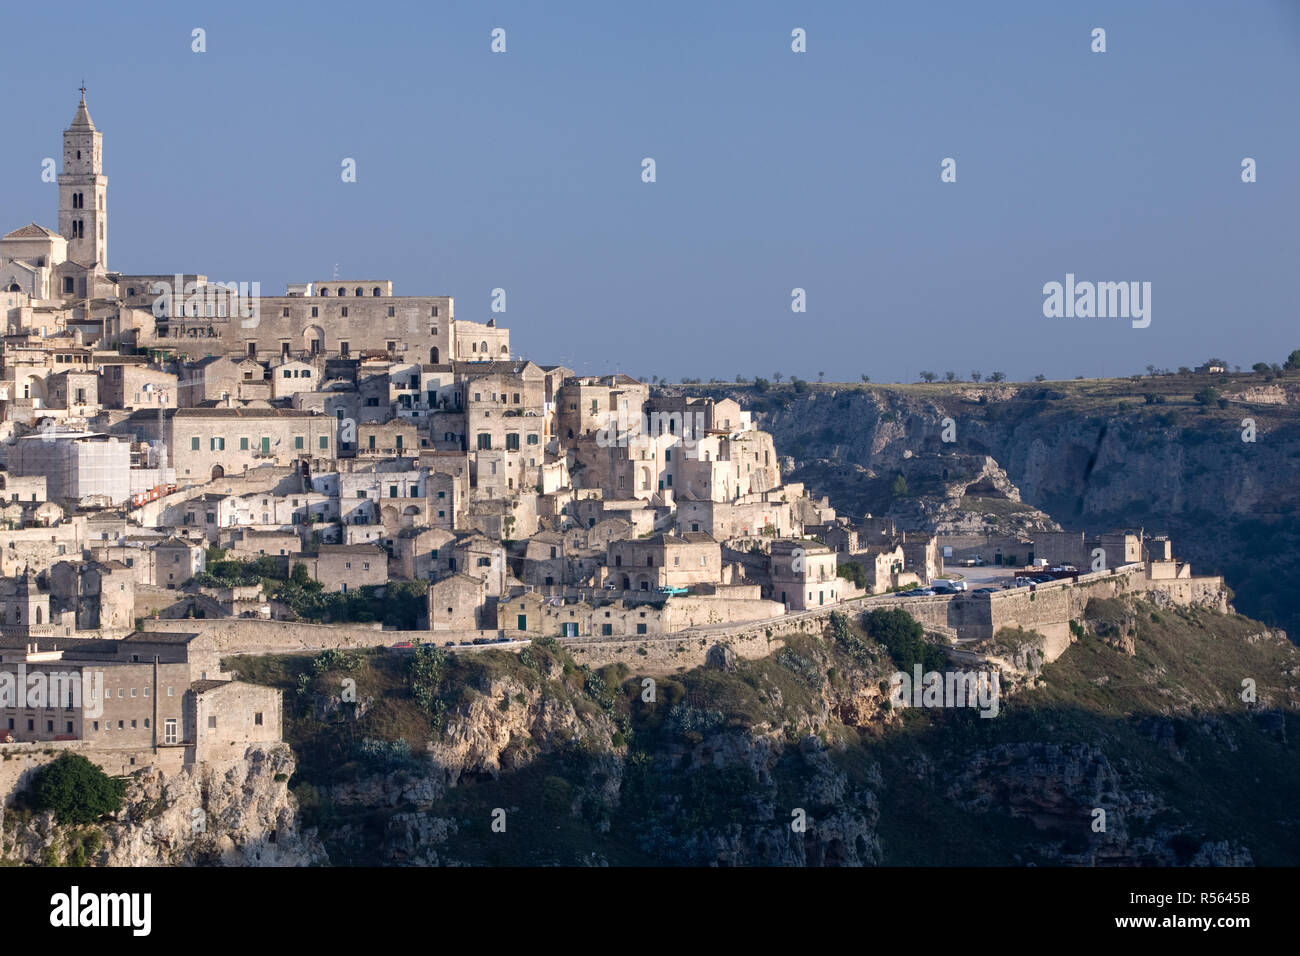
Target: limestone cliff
[(236, 815), (1218, 474)]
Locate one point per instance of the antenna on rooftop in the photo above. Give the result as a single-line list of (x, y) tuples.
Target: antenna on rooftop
[(336, 271)]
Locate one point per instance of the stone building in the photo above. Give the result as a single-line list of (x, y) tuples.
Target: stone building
[(459, 602), (99, 595), (24, 606), (208, 443), (175, 561), (804, 574), (664, 560)]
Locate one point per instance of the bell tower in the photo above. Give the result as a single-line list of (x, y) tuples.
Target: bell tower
[(83, 192)]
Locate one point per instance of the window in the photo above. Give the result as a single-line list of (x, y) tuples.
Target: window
[(169, 726), (324, 442), (392, 311), (218, 444), (315, 312), (532, 439), (243, 444), (392, 491), (297, 441), (484, 441), (212, 722), (345, 312), (640, 629), (194, 443), (257, 718), (512, 441), (169, 692)]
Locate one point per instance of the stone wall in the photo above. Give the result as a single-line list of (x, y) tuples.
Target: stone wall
[(669, 654)]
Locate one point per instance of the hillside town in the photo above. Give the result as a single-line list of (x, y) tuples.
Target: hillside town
[(181, 453)]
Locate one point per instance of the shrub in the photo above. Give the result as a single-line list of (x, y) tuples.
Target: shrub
[(428, 664), (76, 790), (904, 638), (854, 572)]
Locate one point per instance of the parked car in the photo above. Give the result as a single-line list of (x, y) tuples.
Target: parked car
[(673, 591), (986, 591), (404, 644), (450, 644)]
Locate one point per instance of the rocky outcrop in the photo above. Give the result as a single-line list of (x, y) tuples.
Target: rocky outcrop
[(241, 814)]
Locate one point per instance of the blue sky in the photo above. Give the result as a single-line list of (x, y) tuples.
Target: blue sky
[(775, 170)]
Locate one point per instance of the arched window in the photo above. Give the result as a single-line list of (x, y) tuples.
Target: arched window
[(358, 292), (482, 347), (374, 291), (324, 291), (433, 355), (342, 291), (130, 291)]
